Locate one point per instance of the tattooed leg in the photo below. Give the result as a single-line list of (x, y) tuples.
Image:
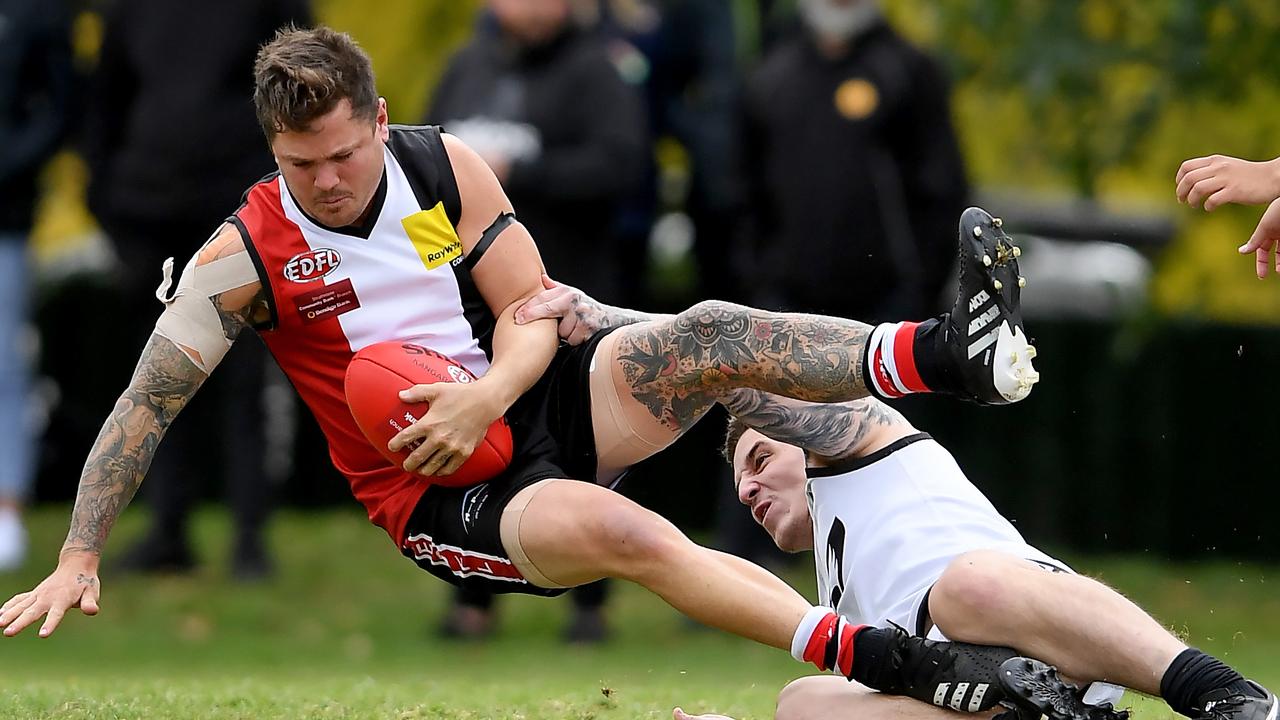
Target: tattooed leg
[(668, 372)]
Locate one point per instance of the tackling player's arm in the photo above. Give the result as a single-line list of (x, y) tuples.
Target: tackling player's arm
[(828, 431), (580, 316), (831, 431), (191, 336), (507, 274)]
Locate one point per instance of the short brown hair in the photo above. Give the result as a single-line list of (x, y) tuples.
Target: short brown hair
[(732, 436), (302, 75)]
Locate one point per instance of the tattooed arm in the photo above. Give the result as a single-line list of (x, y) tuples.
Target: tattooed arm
[(163, 383), (581, 316), (831, 431)]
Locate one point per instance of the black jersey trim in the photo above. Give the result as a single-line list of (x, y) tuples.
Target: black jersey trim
[(924, 622), (421, 153), (262, 274), (244, 199), (858, 463), (504, 221)]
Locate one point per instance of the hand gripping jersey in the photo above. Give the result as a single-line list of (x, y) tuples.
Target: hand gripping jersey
[(400, 276)]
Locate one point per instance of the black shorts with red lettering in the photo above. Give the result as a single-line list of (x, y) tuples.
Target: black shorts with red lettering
[(453, 533)]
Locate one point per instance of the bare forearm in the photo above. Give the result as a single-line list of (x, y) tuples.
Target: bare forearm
[(828, 430), (521, 354), (163, 383)]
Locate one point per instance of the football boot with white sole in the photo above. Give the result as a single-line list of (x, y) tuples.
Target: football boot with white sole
[(990, 356)]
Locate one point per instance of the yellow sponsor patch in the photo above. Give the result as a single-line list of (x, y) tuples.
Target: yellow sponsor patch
[(433, 237)]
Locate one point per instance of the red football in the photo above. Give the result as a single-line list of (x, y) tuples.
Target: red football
[(375, 378)]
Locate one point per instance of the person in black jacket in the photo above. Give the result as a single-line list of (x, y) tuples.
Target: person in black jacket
[(851, 179), (538, 98), (854, 171), (171, 140), (35, 91)]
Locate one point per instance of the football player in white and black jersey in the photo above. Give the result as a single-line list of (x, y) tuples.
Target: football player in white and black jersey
[(902, 539), (900, 536), (371, 232)]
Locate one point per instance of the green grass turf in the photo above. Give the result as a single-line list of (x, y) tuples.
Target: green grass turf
[(343, 631)]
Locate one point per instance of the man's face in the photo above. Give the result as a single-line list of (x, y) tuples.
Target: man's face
[(770, 479), (532, 22), (333, 167)]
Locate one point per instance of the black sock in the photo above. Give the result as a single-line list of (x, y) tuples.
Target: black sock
[(931, 361), (871, 656), (1192, 675)]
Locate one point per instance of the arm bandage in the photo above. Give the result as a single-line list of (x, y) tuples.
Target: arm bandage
[(190, 319)]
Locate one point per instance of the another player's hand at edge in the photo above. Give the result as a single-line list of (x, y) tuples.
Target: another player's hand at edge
[(456, 421), (558, 300), (1216, 180), (1265, 242), (679, 714), (73, 584)]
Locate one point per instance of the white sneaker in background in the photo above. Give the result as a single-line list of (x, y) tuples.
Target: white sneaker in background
[(13, 540)]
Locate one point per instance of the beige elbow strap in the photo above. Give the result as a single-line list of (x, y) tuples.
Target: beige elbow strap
[(190, 319)]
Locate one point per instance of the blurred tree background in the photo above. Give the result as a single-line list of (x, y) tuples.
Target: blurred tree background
[(1104, 99), (409, 40), (1098, 99)]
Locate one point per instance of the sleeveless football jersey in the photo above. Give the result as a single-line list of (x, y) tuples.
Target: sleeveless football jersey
[(886, 526), (400, 276)]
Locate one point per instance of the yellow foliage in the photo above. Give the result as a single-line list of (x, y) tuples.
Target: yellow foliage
[(1100, 19), (1005, 144), (409, 41)]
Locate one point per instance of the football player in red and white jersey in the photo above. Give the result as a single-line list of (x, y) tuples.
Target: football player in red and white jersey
[(372, 232)]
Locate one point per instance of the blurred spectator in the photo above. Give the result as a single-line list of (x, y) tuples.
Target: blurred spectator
[(35, 90), (537, 96), (854, 183), (855, 175), (692, 79), (692, 90), (172, 141)]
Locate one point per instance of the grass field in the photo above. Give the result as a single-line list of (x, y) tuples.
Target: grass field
[(344, 632)]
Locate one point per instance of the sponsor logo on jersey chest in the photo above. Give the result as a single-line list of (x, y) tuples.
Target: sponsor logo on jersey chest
[(312, 265), (326, 301), (433, 237)]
